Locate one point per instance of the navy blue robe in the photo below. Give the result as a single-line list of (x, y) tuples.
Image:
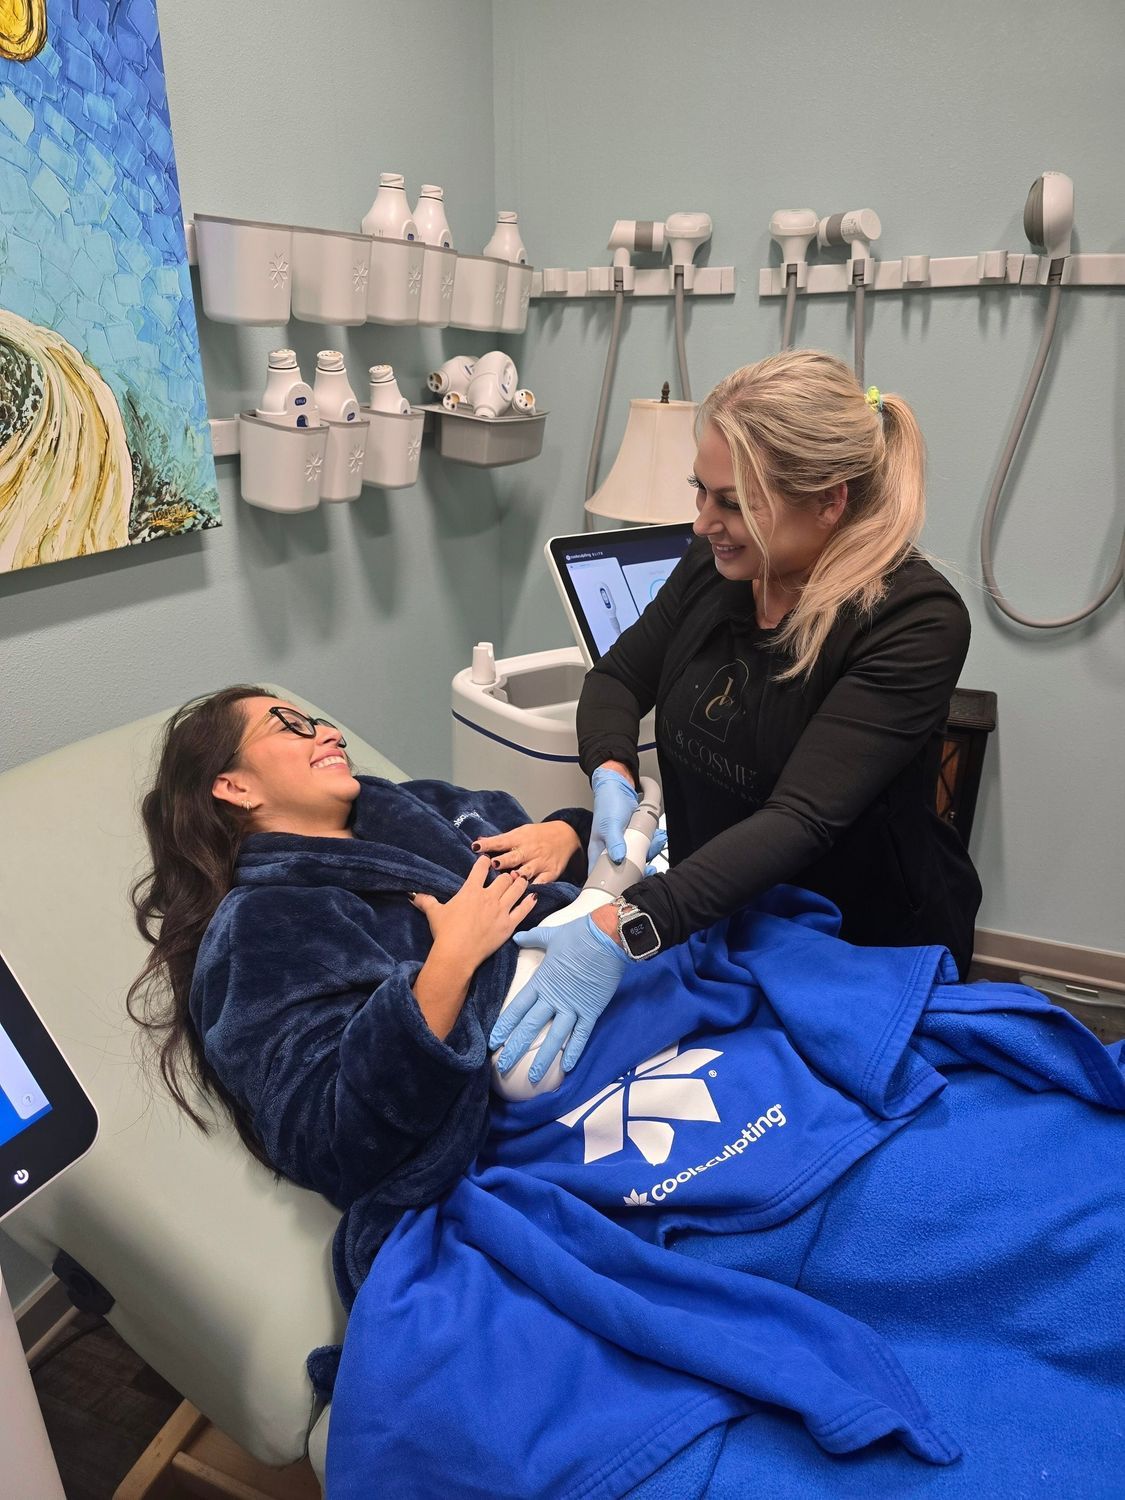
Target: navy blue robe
[(303, 997)]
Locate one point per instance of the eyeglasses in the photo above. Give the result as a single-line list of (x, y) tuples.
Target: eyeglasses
[(302, 724)]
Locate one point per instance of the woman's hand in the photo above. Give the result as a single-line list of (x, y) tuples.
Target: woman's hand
[(537, 851), (480, 918), (568, 992), (615, 802)]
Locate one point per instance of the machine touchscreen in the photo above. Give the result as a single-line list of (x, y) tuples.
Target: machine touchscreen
[(46, 1120), (606, 578)]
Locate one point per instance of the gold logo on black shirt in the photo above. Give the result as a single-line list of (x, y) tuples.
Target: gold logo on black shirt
[(721, 700)]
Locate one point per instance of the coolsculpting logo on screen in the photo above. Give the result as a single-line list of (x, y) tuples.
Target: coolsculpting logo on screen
[(641, 1103)]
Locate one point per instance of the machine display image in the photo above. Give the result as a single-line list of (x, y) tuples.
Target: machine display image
[(22, 1101), (606, 579)]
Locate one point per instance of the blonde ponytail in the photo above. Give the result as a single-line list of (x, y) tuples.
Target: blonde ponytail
[(798, 424)]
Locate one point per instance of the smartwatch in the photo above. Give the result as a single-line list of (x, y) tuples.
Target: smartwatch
[(636, 929)]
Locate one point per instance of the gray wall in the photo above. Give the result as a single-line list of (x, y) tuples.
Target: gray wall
[(939, 118), (368, 609)]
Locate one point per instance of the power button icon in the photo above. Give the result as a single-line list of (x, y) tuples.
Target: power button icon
[(21, 1177)]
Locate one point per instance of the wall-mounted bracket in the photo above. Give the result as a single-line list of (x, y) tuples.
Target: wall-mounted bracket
[(923, 273), (224, 436), (656, 281)]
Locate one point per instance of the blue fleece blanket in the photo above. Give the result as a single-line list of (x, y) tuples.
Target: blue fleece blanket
[(531, 1335)]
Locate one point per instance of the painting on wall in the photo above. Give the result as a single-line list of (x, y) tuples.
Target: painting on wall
[(103, 423)]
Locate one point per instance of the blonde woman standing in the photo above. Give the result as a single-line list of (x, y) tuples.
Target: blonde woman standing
[(800, 660)]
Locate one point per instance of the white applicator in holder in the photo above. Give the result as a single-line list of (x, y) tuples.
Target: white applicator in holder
[(440, 269), (395, 443), (385, 394), (342, 475), (454, 375), (287, 401), (335, 399), (493, 385)]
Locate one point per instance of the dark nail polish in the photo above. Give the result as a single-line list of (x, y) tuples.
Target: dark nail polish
[(476, 848), (495, 864)]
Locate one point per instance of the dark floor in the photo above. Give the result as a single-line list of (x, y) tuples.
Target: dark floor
[(102, 1406)]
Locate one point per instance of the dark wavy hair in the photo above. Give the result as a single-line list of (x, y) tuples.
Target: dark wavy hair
[(194, 839)]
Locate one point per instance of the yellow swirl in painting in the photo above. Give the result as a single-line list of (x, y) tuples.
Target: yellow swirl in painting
[(23, 28), (66, 477)]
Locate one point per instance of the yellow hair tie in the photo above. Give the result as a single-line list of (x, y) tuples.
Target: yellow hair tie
[(874, 398)]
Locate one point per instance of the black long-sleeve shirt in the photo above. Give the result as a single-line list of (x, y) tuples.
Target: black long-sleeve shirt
[(825, 781)]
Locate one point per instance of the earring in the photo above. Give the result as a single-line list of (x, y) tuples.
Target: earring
[(247, 807)]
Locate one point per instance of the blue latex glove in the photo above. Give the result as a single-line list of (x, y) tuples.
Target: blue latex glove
[(615, 802), (570, 989), (657, 845)]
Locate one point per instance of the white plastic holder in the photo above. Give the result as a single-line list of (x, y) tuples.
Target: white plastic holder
[(990, 268), (915, 270), (555, 281), (438, 279), (281, 466), (394, 287), (517, 296), (330, 275), (394, 447), (647, 281), (603, 278), (867, 271), (479, 293), (342, 475), (992, 265), (486, 442), (245, 269), (1087, 269)]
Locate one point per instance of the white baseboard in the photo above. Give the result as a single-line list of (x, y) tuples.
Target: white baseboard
[(42, 1315), (1005, 955)]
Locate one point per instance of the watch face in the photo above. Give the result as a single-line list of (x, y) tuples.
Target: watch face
[(639, 935)]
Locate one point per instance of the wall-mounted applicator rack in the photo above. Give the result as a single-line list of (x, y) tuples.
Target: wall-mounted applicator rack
[(656, 281), (919, 273)]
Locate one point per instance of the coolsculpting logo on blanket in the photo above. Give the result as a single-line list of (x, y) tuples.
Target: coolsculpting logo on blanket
[(642, 1101), (640, 1104), (752, 1131)]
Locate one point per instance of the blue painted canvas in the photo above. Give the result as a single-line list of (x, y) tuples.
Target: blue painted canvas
[(103, 423)]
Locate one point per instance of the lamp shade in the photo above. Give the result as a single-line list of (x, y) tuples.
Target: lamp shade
[(649, 479)]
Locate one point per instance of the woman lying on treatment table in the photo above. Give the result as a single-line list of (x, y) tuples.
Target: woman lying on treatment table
[(285, 893), (748, 1101)]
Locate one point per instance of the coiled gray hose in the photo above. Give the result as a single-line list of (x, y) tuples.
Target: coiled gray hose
[(603, 399), (790, 308), (681, 348), (989, 524)]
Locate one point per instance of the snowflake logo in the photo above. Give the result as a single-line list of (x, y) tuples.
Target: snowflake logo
[(447, 286), (360, 273), (414, 281), (501, 291), (278, 270), (355, 458), (313, 466), (525, 298), (636, 1200), (642, 1101), (414, 449)]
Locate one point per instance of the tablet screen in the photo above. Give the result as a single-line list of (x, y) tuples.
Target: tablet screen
[(46, 1120), (607, 578), (22, 1100)]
